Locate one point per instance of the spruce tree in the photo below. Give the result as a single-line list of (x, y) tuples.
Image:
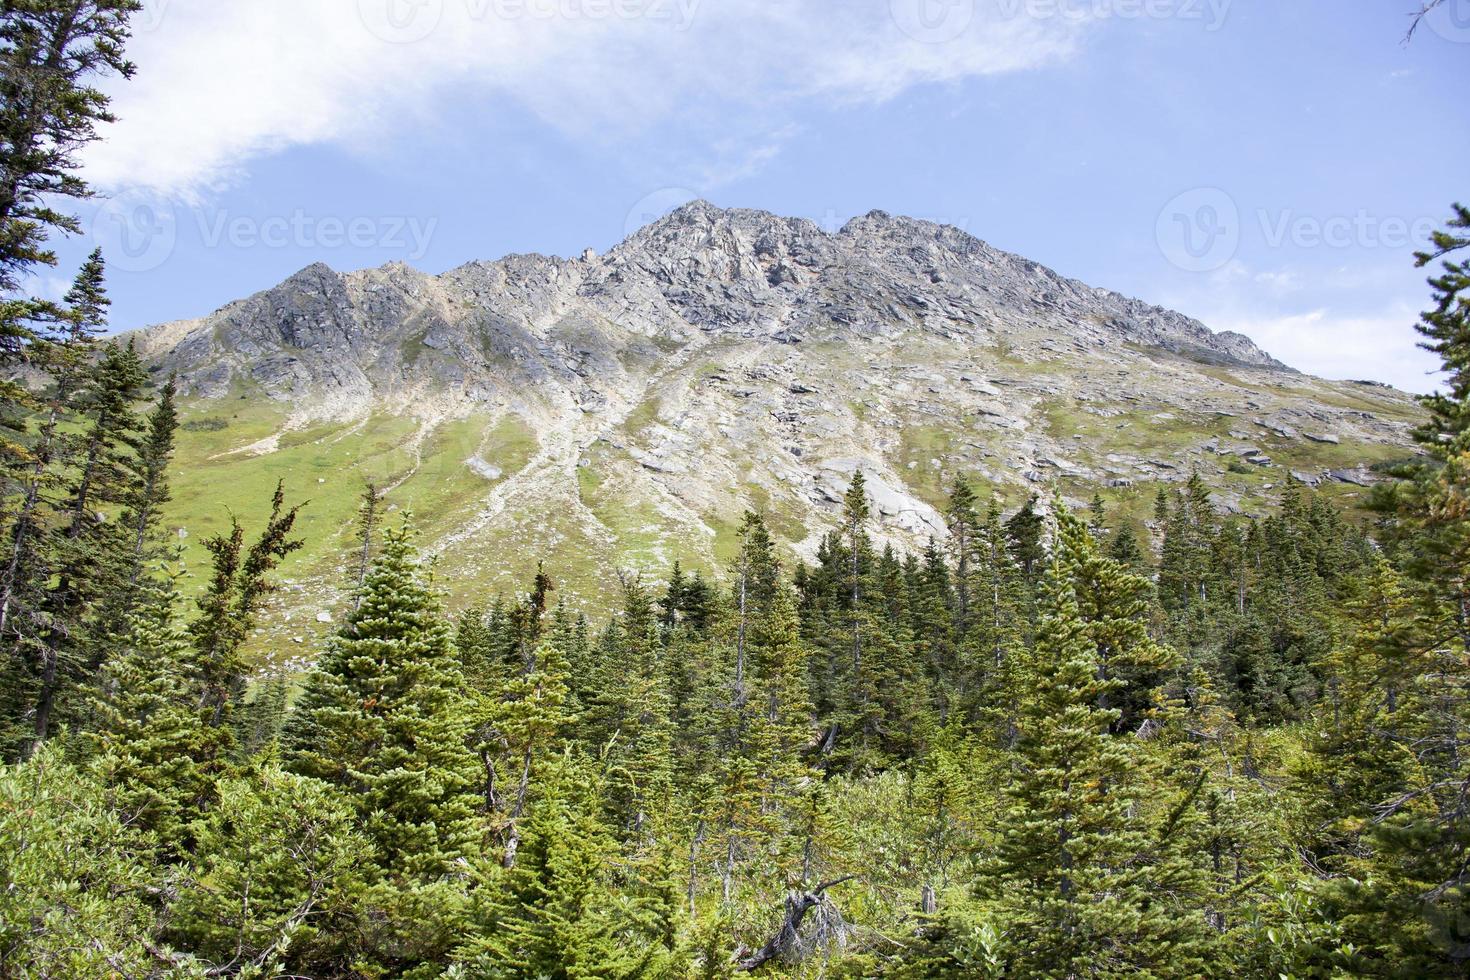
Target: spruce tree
[(384, 719), (66, 359), (152, 751), (1075, 872), (558, 913), (1446, 329), (91, 558), (963, 521), (34, 533), (53, 53), (240, 582)]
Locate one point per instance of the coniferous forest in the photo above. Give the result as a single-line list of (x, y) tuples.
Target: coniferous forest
[(1057, 743)]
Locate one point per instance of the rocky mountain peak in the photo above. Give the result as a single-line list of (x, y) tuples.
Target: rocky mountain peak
[(720, 359)]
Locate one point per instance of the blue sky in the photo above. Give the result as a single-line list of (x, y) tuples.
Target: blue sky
[(1264, 165)]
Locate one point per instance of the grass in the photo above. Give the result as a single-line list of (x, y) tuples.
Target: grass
[(326, 467)]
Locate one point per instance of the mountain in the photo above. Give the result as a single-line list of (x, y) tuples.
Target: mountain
[(624, 409)]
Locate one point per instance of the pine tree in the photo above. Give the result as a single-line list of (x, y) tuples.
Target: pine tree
[(1075, 874), (933, 594), (1025, 538), (368, 518), (557, 914), (91, 557), (144, 501), (783, 731), (239, 584), (1000, 629), (1446, 329), (66, 360), (152, 751), (635, 703), (963, 521), (1351, 763), (35, 531), (525, 721), (52, 54), (384, 719), (1125, 549)]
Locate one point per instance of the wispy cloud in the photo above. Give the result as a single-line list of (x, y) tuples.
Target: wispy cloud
[(1381, 346), (221, 85)]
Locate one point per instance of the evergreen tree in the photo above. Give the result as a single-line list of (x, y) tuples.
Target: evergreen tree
[(238, 587), (91, 554), (526, 721), (52, 54), (35, 531), (368, 518), (275, 879), (557, 914), (152, 750), (636, 704), (1446, 329), (963, 522), (66, 359), (1084, 886), (384, 719)]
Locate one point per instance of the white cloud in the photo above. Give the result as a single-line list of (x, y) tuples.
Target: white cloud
[(1380, 346), (221, 84)]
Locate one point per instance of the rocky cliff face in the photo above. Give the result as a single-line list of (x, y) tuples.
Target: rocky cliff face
[(699, 277), (628, 406)]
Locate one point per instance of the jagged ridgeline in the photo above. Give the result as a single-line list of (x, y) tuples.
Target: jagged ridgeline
[(626, 409)]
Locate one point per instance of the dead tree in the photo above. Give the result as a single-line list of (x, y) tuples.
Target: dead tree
[(788, 942)]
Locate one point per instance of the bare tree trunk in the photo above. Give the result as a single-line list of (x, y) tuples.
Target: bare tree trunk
[(785, 941)]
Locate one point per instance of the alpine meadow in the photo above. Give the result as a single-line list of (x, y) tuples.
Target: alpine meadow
[(757, 596)]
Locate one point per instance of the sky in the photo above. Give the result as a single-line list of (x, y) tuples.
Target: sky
[(1268, 166)]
